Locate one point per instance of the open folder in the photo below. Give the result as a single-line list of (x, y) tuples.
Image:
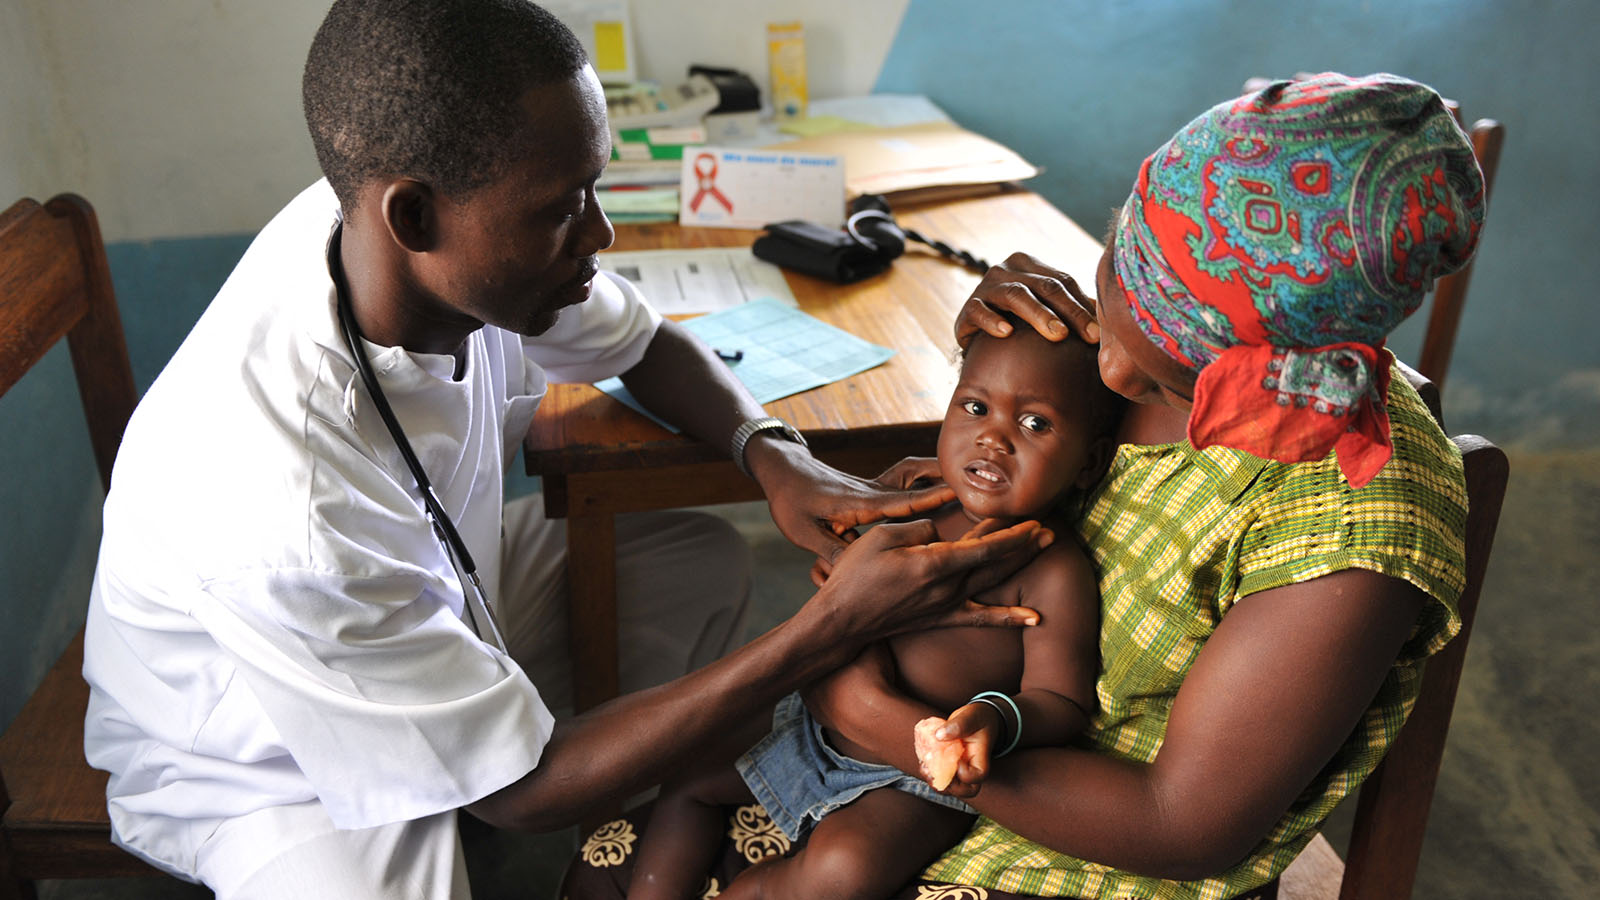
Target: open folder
[(921, 161)]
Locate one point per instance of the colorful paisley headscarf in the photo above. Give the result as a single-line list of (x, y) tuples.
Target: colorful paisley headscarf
[(1274, 243)]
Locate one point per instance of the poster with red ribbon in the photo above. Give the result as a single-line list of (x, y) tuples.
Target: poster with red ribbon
[(743, 188)]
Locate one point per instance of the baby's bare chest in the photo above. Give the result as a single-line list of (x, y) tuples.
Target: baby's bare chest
[(946, 667)]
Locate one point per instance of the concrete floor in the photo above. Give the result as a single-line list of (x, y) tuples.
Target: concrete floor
[(1517, 812)]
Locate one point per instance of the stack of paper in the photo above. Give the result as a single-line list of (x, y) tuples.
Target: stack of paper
[(650, 129), (639, 190), (639, 203), (920, 161), (639, 144)]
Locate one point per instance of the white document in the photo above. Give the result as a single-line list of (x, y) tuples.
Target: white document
[(701, 280), (725, 187)]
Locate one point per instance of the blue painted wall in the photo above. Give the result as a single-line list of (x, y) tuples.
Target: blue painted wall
[(51, 497), (1088, 89), (49, 507)]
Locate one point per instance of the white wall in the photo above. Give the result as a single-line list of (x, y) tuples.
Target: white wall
[(27, 114), (846, 40), (182, 117)]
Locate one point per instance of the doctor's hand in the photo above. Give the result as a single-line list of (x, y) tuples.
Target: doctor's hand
[(819, 508), (909, 474), (900, 577), (1040, 295)]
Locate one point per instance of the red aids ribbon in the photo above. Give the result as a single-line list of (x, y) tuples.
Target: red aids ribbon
[(707, 177)]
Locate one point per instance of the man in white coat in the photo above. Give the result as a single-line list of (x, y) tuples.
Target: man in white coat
[(294, 685)]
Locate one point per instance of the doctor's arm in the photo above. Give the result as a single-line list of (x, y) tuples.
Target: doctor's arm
[(891, 580), (684, 382)]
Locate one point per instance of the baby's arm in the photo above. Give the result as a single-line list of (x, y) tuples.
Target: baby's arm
[(1060, 662)]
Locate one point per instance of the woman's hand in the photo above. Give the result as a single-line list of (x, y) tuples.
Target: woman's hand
[(1044, 297)]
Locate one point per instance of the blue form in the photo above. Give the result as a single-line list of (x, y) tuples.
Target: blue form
[(784, 351)]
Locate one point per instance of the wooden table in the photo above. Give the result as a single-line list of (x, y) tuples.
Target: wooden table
[(598, 458)]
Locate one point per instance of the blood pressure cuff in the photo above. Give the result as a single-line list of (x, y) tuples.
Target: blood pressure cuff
[(824, 252)]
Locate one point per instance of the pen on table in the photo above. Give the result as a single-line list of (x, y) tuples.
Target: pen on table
[(730, 355)]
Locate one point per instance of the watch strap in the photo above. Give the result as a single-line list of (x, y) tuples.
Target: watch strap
[(753, 427)]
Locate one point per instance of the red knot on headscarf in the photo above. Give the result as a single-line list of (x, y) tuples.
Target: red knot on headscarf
[(1274, 243)]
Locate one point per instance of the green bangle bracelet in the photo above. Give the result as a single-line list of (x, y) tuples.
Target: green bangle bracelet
[(1016, 734)]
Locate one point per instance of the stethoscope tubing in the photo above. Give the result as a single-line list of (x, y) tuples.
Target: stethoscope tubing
[(443, 525)]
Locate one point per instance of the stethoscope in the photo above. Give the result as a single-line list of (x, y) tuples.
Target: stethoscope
[(443, 527)]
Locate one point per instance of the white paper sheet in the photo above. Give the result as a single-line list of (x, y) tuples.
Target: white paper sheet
[(701, 280)]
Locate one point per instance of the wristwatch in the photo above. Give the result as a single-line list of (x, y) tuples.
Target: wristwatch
[(743, 434)]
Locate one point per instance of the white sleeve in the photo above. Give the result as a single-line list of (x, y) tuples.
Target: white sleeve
[(602, 337), (335, 665)]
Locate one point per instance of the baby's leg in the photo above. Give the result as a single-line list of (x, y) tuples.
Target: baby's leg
[(684, 835), (861, 852)]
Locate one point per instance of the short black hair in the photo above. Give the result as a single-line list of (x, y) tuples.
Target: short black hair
[(427, 89), (1105, 405)]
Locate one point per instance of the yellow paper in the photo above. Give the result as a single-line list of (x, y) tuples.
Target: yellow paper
[(811, 126), (610, 48)]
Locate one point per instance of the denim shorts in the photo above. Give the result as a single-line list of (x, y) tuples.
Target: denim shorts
[(799, 778)]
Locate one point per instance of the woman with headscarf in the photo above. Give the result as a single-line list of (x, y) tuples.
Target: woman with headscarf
[(1280, 537)]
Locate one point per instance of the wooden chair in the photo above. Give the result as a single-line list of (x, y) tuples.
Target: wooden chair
[(1392, 809), (54, 283), (1450, 292)]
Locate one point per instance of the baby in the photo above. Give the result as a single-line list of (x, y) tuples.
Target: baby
[(1028, 429)]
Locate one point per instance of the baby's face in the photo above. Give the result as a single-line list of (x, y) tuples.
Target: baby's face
[(1016, 435)]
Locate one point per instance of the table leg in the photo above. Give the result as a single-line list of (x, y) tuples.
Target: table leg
[(592, 608), (592, 619)]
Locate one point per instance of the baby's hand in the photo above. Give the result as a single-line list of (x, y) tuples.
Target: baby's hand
[(939, 757), (958, 745)]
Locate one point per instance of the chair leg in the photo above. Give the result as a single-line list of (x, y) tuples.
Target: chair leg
[(12, 887)]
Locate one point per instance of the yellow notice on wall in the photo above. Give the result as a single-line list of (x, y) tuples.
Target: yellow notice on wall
[(786, 51), (602, 26), (610, 47)]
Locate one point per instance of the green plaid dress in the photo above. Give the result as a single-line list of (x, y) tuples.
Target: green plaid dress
[(1179, 536)]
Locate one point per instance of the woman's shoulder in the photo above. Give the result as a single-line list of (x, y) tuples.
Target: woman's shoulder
[(1408, 522), (1424, 467), (1415, 434)]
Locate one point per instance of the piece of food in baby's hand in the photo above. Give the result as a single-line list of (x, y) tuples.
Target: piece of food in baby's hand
[(939, 758)]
